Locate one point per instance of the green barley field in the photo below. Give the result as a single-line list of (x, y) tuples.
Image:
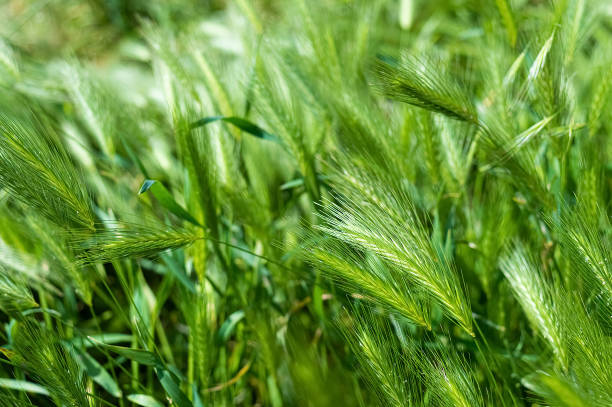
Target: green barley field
[(305, 203)]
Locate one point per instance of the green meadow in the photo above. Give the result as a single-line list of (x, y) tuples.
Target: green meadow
[(305, 203)]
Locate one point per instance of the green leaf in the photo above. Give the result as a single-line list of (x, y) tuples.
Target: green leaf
[(138, 355), (178, 271), (540, 60), (144, 400), (528, 134), (23, 385), (197, 401), (274, 393), (242, 124), (150, 359), (298, 182), (134, 157), (166, 200), (514, 68), (97, 372), (229, 325), (294, 183), (172, 388), (106, 338)]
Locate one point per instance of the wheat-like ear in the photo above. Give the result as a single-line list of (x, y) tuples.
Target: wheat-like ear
[(387, 223), (26, 267), (589, 347), (369, 275), (95, 107), (588, 249), (386, 354), (448, 376), (556, 390), (203, 326), (14, 294), (39, 351), (36, 170), (122, 239), (536, 297), (384, 365), (419, 81), (7, 400), (507, 150), (422, 83), (279, 96), (600, 97), (507, 18), (59, 257), (588, 381), (581, 347)]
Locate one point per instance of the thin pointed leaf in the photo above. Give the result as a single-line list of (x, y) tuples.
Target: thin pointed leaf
[(229, 325), (138, 355), (97, 372), (144, 400), (540, 60), (528, 134), (172, 388), (22, 385), (166, 200), (242, 124), (106, 338)]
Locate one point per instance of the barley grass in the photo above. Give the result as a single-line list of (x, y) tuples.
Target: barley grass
[(305, 203)]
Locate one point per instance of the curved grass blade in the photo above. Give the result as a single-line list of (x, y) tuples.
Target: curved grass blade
[(107, 338), (166, 200), (242, 124), (143, 357), (144, 400), (97, 372), (229, 325), (23, 385), (163, 374), (172, 388)]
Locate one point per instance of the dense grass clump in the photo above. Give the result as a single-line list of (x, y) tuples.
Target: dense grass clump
[(306, 203)]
